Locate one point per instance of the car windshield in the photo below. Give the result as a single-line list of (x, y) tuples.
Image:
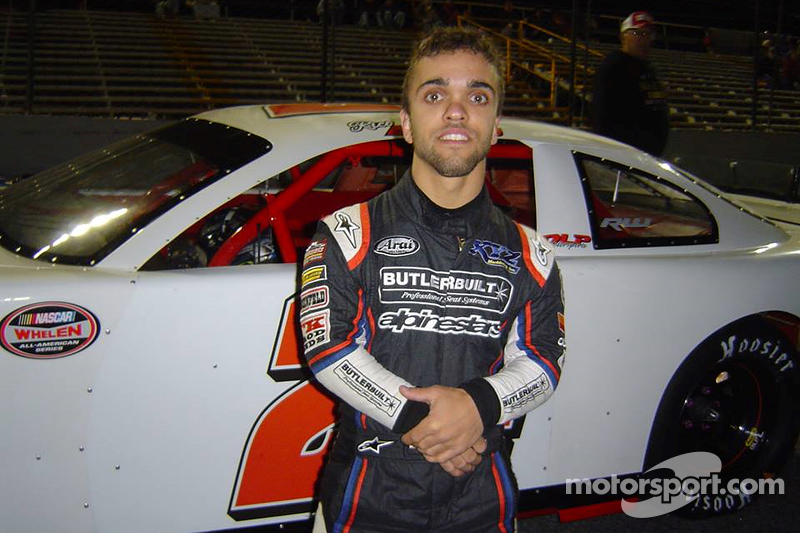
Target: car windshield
[(78, 212)]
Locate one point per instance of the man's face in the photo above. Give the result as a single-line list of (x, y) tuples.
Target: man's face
[(638, 42), (452, 117)]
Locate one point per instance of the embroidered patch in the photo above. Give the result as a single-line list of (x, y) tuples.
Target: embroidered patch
[(374, 445), (314, 274), (315, 252), (346, 226), (494, 254), (396, 246), (315, 329)]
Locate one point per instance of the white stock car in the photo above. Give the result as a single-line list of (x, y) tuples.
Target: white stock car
[(143, 391)]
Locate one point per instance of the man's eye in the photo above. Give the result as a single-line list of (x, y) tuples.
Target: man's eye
[(479, 98), (433, 97)]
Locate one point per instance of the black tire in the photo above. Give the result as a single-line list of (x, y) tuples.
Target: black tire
[(736, 396)]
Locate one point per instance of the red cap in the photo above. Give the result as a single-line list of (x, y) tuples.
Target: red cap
[(636, 20)]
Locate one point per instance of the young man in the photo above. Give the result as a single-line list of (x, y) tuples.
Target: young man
[(444, 318), (629, 103)]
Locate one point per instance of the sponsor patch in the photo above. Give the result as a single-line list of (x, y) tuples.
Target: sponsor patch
[(563, 240), (528, 393), (396, 246), (346, 226), (315, 252), (315, 329), (494, 254), (358, 126), (457, 289), (312, 299), (365, 387), (48, 330), (374, 445), (425, 320), (313, 275)]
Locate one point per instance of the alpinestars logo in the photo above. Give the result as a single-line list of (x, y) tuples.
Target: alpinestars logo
[(345, 225), (374, 445), (494, 254), (424, 320)]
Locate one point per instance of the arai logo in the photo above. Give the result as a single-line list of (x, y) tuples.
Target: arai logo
[(396, 246)]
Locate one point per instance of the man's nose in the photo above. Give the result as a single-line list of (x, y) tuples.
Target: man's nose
[(456, 110)]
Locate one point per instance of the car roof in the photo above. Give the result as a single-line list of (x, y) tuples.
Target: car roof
[(270, 120)]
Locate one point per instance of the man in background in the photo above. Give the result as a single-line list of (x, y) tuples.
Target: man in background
[(629, 103)]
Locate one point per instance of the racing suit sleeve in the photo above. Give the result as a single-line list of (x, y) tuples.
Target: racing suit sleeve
[(534, 351), (336, 324)]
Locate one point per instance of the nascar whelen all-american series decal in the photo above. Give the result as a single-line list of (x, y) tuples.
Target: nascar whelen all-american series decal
[(48, 330)]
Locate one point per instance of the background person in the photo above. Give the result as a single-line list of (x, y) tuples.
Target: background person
[(629, 103)]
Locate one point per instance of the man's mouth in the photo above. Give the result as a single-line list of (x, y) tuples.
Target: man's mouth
[(454, 136)]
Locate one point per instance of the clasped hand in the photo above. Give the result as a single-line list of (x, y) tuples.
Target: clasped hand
[(451, 433)]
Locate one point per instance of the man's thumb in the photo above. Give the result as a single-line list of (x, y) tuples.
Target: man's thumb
[(413, 393)]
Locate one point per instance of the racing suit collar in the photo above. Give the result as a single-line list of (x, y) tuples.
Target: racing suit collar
[(462, 221)]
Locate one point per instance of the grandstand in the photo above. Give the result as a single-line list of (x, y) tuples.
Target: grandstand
[(131, 64)]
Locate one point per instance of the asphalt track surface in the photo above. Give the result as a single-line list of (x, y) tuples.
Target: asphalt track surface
[(767, 514)]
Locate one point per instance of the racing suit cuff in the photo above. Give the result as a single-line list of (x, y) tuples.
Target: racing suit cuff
[(485, 398), (411, 415)]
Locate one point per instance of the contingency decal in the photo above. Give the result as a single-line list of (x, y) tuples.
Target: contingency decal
[(48, 330)]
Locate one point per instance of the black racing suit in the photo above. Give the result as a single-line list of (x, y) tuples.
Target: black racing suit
[(398, 291)]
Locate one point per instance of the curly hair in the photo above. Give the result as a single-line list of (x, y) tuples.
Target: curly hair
[(454, 39)]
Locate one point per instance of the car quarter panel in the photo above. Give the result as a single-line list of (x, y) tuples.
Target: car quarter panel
[(47, 403), (630, 323), (176, 403)]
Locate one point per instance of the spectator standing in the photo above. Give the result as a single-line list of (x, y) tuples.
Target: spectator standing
[(510, 17), (392, 14), (368, 13), (629, 103)]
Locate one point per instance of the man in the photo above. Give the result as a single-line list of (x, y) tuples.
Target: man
[(629, 103), (444, 318)]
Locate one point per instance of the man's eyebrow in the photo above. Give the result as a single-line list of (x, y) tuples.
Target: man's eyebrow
[(441, 82)]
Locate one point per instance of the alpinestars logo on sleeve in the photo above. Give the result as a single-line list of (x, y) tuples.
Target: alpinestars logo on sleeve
[(345, 225)]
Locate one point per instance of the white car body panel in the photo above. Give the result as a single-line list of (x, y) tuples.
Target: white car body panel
[(146, 428)]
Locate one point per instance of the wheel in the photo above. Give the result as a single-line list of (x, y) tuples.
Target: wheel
[(736, 396)]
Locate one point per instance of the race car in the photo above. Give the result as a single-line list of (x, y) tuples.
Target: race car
[(150, 375)]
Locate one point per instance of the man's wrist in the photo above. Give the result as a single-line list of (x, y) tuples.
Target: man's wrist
[(411, 415), (486, 400)]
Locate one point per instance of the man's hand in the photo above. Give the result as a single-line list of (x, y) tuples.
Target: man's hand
[(451, 427), (467, 461)]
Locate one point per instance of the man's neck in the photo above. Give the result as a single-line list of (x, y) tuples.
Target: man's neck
[(449, 193)]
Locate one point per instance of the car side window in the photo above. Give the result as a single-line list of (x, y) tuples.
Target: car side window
[(630, 208)]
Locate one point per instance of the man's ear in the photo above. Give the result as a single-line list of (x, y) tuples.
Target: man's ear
[(405, 122), (495, 130)]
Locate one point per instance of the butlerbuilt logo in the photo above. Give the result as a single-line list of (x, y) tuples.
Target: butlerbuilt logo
[(48, 330)]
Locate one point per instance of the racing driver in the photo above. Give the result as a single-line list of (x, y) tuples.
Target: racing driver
[(432, 316)]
